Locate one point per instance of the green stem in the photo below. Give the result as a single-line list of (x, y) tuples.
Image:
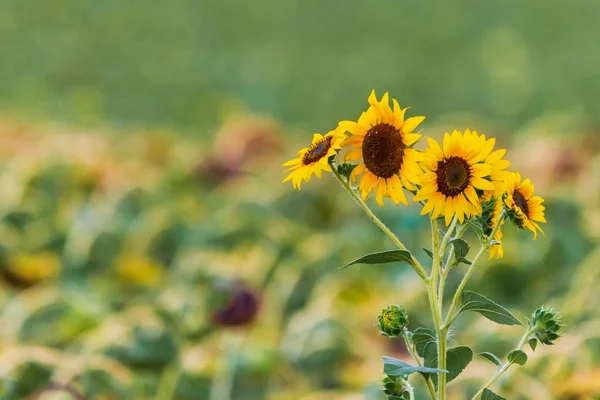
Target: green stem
[(412, 350), (504, 367), (436, 310), (414, 263), (485, 245)]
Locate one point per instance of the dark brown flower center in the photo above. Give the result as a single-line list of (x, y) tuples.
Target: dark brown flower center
[(383, 150), (521, 202), (453, 176), (317, 151)]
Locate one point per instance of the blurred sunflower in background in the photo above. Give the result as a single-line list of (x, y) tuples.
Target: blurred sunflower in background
[(526, 210), (314, 159), (383, 140), (452, 173)]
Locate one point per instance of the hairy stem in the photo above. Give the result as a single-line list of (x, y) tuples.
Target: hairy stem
[(413, 352), (503, 369), (485, 245), (414, 263)]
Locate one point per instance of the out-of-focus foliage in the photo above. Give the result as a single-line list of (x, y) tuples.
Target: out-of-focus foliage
[(147, 266), (139, 263), (185, 63)]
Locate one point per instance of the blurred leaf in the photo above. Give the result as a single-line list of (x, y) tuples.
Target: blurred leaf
[(165, 245), (148, 348), (517, 357), (428, 252), (394, 367), (383, 257), (28, 378), (489, 395), (461, 248), (101, 384), (471, 301), (491, 357)]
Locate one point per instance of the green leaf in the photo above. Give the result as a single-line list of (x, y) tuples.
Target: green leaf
[(457, 359), (461, 248), (477, 228), (421, 337), (471, 301), (487, 394), (517, 357), (491, 357), (394, 367), (532, 343), (384, 257), (464, 260), (428, 252)]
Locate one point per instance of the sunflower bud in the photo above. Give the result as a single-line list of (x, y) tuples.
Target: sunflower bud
[(396, 388), (392, 321), (545, 325)]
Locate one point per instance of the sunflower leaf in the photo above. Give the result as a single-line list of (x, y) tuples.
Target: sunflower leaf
[(395, 367), (477, 228), (517, 357), (384, 257), (461, 248), (532, 343), (471, 301), (428, 252), (491, 357), (421, 337), (487, 394), (457, 359)]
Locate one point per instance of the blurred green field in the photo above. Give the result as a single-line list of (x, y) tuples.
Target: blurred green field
[(185, 63), (140, 165)]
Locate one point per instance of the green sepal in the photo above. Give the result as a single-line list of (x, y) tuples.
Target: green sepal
[(346, 169)]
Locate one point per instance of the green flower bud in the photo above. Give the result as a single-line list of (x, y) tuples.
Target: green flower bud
[(392, 321), (545, 325), (396, 388)]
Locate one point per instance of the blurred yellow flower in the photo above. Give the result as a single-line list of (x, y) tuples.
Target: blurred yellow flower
[(139, 270), (527, 209), (383, 140), (452, 174), (32, 268), (314, 159)]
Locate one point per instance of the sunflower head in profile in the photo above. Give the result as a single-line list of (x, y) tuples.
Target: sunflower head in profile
[(524, 209), (496, 250), (452, 175), (314, 160), (383, 139)]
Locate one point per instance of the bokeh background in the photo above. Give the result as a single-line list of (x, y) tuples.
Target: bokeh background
[(149, 251)]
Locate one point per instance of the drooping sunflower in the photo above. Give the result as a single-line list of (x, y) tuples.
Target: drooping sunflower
[(452, 173), (314, 159), (383, 139), (497, 250), (525, 209)]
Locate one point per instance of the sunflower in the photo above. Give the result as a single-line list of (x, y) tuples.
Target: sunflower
[(314, 159), (452, 173), (494, 160), (383, 139), (525, 210), (497, 250)]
